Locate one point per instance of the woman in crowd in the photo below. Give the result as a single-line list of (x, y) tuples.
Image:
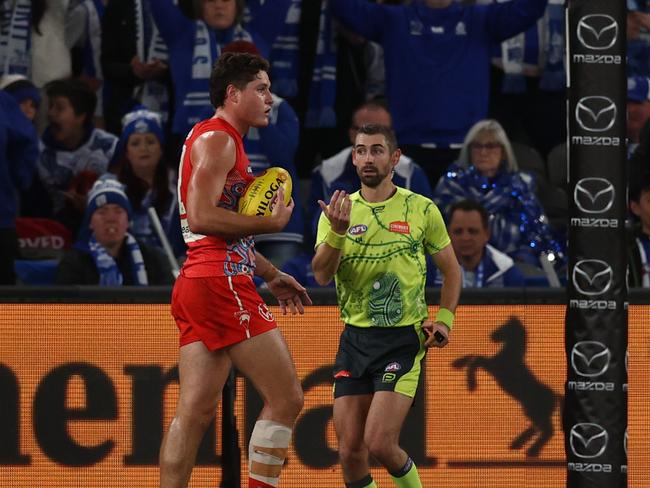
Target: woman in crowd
[(140, 166), (487, 172)]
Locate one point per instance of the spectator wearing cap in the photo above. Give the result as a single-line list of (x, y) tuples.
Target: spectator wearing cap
[(106, 253), (25, 93), (139, 164), (73, 154), (18, 155)]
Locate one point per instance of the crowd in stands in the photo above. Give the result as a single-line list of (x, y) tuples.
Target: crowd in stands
[(97, 96)]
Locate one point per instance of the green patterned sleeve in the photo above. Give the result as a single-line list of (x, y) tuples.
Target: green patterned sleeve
[(323, 228), (436, 237)]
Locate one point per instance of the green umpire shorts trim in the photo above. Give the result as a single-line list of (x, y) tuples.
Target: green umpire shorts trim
[(408, 384)]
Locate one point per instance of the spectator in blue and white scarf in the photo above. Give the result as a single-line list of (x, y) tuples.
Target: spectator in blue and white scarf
[(140, 165), (487, 172), (106, 253)]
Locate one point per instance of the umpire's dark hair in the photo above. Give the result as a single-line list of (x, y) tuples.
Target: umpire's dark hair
[(234, 69), (387, 132), (81, 96), (470, 206)]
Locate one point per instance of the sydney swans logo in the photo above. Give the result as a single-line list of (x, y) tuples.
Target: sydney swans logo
[(597, 31)]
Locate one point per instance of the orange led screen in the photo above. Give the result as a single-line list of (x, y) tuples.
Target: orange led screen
[(87, 390)]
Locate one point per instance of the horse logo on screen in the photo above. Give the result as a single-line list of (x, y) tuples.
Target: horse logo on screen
[(511, 373)]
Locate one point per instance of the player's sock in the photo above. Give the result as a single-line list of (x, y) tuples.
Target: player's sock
[(407, 477), (366, 482), (266, 452)]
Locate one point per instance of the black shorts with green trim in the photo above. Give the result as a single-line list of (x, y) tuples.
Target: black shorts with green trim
[(373, 359)]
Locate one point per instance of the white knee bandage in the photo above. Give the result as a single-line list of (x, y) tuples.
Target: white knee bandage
[(267, 449)]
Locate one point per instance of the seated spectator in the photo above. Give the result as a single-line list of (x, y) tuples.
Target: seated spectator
[(73, 154), (482, 265), (487, 172), (25, 93), (338, 172), (140, 166), (18, 154), (639, 236), (106, 254)]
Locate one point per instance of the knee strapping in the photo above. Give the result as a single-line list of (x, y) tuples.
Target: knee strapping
[(268, 449)]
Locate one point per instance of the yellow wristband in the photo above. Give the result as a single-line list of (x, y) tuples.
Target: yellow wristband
[(334, 240), (446, 317)]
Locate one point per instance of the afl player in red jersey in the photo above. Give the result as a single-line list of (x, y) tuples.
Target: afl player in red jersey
[(223, 322)]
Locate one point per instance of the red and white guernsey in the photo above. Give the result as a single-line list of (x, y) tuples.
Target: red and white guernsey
[(213, 255)]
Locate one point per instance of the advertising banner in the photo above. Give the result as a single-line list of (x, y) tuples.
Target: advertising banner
[(595, 417), (86, 392)]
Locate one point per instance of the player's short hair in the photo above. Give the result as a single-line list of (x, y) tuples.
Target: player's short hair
[(470, 206), (236, 69), (387, 132)]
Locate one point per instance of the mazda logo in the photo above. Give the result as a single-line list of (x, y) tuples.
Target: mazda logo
[(597, 31), (625, 442), (592, 277), (593, 195), (590, 358), (595, 114), (588, 440)]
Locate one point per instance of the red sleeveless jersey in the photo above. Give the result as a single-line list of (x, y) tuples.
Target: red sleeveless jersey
[(214, 255)]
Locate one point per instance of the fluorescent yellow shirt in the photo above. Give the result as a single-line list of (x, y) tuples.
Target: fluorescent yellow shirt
[(381, 277)]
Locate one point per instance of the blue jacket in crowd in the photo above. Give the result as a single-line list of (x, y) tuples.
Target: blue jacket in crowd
[(437, 60), (18, 156)]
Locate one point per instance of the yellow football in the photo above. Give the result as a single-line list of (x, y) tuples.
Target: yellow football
[(258, 195)]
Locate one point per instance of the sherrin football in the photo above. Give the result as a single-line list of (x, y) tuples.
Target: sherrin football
[(258, 195)]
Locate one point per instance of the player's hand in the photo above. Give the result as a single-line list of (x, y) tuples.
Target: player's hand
[(338, 211), (430, 329), (281, 213), (289, 292)]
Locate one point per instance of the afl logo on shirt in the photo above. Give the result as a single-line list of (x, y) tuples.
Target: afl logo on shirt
[(356, 230), (400, 227)]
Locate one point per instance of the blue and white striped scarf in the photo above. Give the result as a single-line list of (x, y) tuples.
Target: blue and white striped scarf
[(92, 48), (15, 38), (322, 93), (549, 35), (109, 272), (207, 48), (149, 46)]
